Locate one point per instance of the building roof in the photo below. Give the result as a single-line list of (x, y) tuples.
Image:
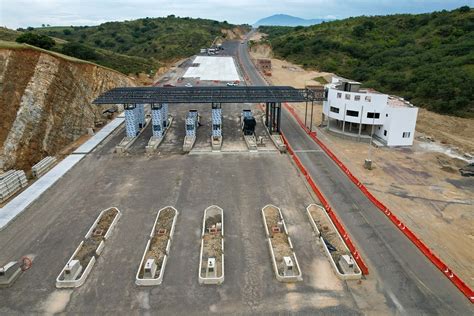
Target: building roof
[(209, 94)]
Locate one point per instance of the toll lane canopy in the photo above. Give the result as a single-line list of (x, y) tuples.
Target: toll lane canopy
[(211, 94)]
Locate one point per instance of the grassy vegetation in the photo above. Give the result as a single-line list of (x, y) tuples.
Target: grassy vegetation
[(426, 58), (321, 80), (130, 47), (162, 39)]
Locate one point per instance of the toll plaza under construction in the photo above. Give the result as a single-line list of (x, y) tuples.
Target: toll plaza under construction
[(159, 99)]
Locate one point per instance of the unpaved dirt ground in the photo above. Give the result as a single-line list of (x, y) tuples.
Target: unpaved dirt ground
[(212, 247), (87, 251), (280, 244), (420, 184), (158, 243), (423, 188), (328, 233)]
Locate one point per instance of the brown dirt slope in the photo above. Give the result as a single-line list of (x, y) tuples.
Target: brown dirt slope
[(45, 101)]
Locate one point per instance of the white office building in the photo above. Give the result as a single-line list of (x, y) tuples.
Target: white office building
[(358, 113)]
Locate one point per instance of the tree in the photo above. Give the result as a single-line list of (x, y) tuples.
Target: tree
[(79, 51), (67, 32), (41, 41)]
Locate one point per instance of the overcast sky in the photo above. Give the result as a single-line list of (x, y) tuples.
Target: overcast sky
[(23, 13)]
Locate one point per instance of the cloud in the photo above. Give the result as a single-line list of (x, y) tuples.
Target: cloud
[(23, 13)]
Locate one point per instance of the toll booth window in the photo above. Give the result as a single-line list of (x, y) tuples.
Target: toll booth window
[(189, 127), (216, 127)]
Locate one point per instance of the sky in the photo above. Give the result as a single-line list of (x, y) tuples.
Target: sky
[(24, 13)]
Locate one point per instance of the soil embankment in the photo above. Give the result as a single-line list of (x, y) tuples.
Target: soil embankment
[(46, 103)]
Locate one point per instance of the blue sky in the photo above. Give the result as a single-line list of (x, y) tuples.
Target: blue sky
[(23, 13)]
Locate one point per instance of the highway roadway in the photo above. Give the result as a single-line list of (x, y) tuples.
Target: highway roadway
[(410, 283)]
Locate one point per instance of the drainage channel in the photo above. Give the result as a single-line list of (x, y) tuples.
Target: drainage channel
[(154, 259), (78, 267), (285, 263)]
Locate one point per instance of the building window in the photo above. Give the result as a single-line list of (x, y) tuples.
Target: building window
[(373, 115), (339, 95), (384, 132), (368, 98), (357, 98), (352, 113), (334, 109), (406, 134), (348, 96)]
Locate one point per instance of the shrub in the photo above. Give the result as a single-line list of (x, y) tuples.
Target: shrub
[(42, 41)]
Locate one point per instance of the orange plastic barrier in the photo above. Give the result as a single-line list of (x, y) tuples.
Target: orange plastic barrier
[(443, 267), (345, 236)]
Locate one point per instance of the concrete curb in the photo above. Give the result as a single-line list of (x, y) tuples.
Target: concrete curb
[(352, 276), (281, 278), (154, 142), (80, 281), (216, 280), (127, 142), (157, 281)]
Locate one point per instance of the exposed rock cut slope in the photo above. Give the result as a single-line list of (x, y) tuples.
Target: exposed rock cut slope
[(45, 101)]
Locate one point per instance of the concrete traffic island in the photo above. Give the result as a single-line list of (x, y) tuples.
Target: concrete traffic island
[(285, 263), (153, 263), (76, 270), (344, 265), (276, 138), (216, 143), (128, 141), (9, 273), (155, 141), (211, 263)]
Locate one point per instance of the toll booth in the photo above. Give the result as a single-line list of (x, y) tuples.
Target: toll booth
[(216, 120), (157, 120), (134, 119)]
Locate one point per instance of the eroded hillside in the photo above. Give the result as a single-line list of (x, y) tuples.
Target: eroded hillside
[(45, 101)]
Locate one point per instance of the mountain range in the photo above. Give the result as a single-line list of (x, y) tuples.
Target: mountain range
[(287, 20)]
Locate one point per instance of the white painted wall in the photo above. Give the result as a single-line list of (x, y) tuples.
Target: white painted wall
[(394, 120)]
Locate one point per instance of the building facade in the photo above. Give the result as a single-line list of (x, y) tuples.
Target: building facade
[(366, 114)]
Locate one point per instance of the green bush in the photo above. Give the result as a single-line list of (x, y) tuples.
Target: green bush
[(425, 58), (42, 41)]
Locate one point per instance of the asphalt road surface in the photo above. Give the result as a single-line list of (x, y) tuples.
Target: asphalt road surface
[(409, 281)]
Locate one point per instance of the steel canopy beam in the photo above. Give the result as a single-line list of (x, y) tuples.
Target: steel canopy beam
[(247, 94)]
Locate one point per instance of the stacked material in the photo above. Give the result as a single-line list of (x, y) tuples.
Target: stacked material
[(43, 166), (11, 182), (216, 122)]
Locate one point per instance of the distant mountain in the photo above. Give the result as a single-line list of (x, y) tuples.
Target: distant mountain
[(287, 20)]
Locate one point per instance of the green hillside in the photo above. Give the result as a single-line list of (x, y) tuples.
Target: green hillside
[(426, 58), (161, 39), (130, 46)]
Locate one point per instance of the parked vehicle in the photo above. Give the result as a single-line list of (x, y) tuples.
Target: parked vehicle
[(188, 85), (232, 84)]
